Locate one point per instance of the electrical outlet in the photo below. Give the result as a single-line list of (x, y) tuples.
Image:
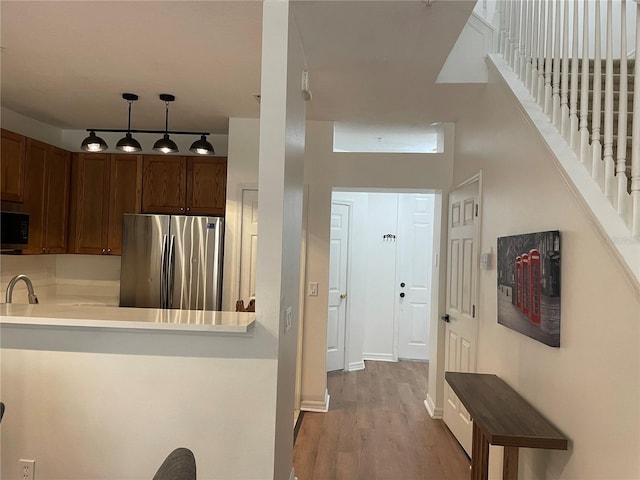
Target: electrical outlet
[(288, 314), (27, 469)]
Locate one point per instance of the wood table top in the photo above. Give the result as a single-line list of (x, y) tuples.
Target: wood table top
[(502, 414)]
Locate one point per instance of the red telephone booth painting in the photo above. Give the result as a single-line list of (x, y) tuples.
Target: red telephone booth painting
[(529, 285), (525, 284), (535, 286), (518, 282)]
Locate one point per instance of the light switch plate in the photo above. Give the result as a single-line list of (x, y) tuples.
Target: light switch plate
[(313, 289)]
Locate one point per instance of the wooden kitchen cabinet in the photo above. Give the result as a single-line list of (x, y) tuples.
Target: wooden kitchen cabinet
[(104, 188), (184, 185), (13, 159), (46, 197), (206, 185), (164, 187)]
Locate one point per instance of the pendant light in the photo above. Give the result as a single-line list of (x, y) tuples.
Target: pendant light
[(93, 143), (128, 143), (165, 144), (202, 147)]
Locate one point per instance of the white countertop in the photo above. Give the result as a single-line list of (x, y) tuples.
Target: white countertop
[(83, 316)]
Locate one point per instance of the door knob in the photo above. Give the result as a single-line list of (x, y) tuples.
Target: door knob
[(343, 295), (402, 295), (402, 284), (445, 317)]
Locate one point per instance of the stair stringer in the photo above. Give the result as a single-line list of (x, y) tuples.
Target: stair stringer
[(611, 227)]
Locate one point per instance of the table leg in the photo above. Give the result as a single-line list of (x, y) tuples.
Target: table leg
[(510, 464), (479, 455)]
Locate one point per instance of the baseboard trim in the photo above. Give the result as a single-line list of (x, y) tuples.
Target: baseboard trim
[(378, 357), (354, 366), (316, 406), (435, 413)]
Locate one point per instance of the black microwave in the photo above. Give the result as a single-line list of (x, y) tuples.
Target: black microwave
[(14, 230)]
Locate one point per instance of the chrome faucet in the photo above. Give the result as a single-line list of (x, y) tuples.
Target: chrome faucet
[(12, 283)]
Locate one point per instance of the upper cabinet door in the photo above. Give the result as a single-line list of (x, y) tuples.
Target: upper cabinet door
[(57, 199), (163, 187), (90, 203), (125, 189), (36, 195), (13, 166), (206, 185)]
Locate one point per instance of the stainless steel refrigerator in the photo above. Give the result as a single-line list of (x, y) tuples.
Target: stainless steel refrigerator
[(171, 261)]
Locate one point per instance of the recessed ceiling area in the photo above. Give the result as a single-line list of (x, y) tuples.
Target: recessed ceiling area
[(67, 63)]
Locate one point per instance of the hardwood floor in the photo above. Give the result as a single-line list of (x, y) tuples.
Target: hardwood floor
[(377, 428)]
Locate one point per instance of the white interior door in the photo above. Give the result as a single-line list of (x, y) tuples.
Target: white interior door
[(249, 245), (461, 331), (338, 258), (414, 271)]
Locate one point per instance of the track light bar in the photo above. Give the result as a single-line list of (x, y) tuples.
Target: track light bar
[(128, 144)]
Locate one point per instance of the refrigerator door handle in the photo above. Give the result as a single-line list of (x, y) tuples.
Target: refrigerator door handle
[(171, 271), (163, 273)]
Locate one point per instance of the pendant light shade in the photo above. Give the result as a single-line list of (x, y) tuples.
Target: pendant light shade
[(165, 144), (128, 143), (93, 143), (202, 147)]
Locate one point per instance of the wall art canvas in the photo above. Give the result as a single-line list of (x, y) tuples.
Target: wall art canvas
[(529, 285)]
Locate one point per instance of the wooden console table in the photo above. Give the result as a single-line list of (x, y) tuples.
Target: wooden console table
[(501, 417)]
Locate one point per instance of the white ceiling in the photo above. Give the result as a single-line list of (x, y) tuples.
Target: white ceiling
[(67, 63)]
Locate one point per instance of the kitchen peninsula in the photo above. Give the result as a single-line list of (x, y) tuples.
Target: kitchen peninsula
[(168, 320)]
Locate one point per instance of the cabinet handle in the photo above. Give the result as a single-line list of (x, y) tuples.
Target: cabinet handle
[(188, 209), (108, 250), (44, 250), (103, 250), (182, 209)]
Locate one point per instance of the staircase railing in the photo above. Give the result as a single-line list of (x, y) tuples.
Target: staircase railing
[(555, 48)]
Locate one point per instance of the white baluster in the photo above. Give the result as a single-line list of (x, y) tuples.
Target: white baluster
[(515, 56), (635, 149), (596, 109), (548, 64), (575, 73), (623, 199), (557, 60), (506, 18), (541, 60), (529, 51), (499, 17), (533, 80), (564, 82), (585, 156), (609, 164), (525, 26), (512, 31)]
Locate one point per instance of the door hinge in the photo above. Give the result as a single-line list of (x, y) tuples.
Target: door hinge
[(476, 209), (473, 312)]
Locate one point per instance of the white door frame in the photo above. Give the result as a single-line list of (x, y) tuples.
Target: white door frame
[(436, 274), (434, 402), (347, 310)]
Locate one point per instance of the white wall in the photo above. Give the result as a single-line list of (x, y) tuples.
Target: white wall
[(102, 405), (280, 175), (324, 171), (29, 127), (590, 386), (242, 172), (380, 279)]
